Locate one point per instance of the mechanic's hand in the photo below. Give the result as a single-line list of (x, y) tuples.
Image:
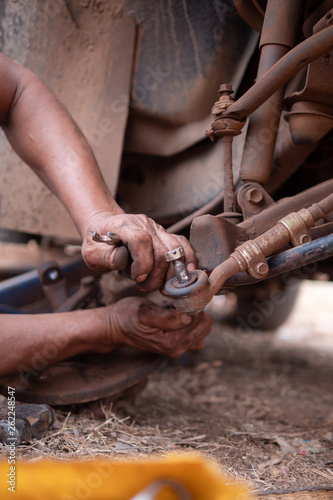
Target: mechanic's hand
[(140, 323), (146, 241)]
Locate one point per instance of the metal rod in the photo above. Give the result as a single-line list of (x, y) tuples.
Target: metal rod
[(287, 261), (26, 288), (279, 34), (299, 57), (229, 205)]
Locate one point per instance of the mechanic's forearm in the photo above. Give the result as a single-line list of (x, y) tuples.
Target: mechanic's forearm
[(31, 342), (45, 136)]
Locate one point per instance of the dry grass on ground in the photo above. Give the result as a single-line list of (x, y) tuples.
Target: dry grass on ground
[(261, 405)]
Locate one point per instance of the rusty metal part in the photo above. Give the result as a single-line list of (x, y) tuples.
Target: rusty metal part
[(289, 260), (229, 204), (214, 238), (264, 220), (227, 128), (183, 276), (297, 58), (83, 378), (252, 199), (54, 283), (225, 99), (263, 124), (221, 126), (88, 290), (287, 157), (280, 33), (311, 114), (321, 230), (282, 22), (250, 256), (309, 121), (252, 14), (315, 15), (298, 225)]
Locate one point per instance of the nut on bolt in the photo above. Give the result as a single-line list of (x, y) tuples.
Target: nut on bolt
[(262, 268), (225, 100), (176, 256)]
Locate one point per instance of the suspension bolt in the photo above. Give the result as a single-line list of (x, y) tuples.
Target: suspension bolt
[(262, 268), (225, 100), (176, 256), (254, 195)]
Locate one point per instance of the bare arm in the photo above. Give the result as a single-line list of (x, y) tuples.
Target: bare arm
[(44, 135), (42, 132), (31, 342)]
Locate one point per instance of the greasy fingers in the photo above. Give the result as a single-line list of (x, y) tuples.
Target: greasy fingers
[(146, 241), (99, 256), (150, 314), (140, 323)]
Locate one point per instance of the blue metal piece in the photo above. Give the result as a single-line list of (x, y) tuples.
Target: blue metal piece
[(26, 288)]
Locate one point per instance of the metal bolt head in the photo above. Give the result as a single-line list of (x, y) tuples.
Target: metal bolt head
[(226, 87), (175, 254), (254, 195), (262, 268)]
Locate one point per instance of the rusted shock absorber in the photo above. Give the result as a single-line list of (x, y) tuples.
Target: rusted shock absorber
[(297, 58), (234, 113), (250, 257), (279, 34)]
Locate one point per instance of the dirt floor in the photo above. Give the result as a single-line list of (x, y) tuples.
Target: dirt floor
[(260, 404)]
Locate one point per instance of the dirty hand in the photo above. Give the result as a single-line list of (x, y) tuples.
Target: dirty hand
[(140, 323), (146, 242)]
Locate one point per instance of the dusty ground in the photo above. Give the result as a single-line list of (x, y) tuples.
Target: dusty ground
[(261, 405)]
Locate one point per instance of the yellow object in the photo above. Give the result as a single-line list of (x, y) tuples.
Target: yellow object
[(115, 480)]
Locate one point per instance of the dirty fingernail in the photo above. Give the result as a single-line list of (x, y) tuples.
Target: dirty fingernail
[(142, 277)]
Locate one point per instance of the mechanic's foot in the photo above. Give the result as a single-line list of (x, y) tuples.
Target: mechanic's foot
[(26, 422)]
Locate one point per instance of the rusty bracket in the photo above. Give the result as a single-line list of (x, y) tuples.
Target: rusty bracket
[(250, 256), (55, 287), (252, 198), (227, 128), (311, 109), (221, 125), (53, 283), (298, 225), (214, 238)]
